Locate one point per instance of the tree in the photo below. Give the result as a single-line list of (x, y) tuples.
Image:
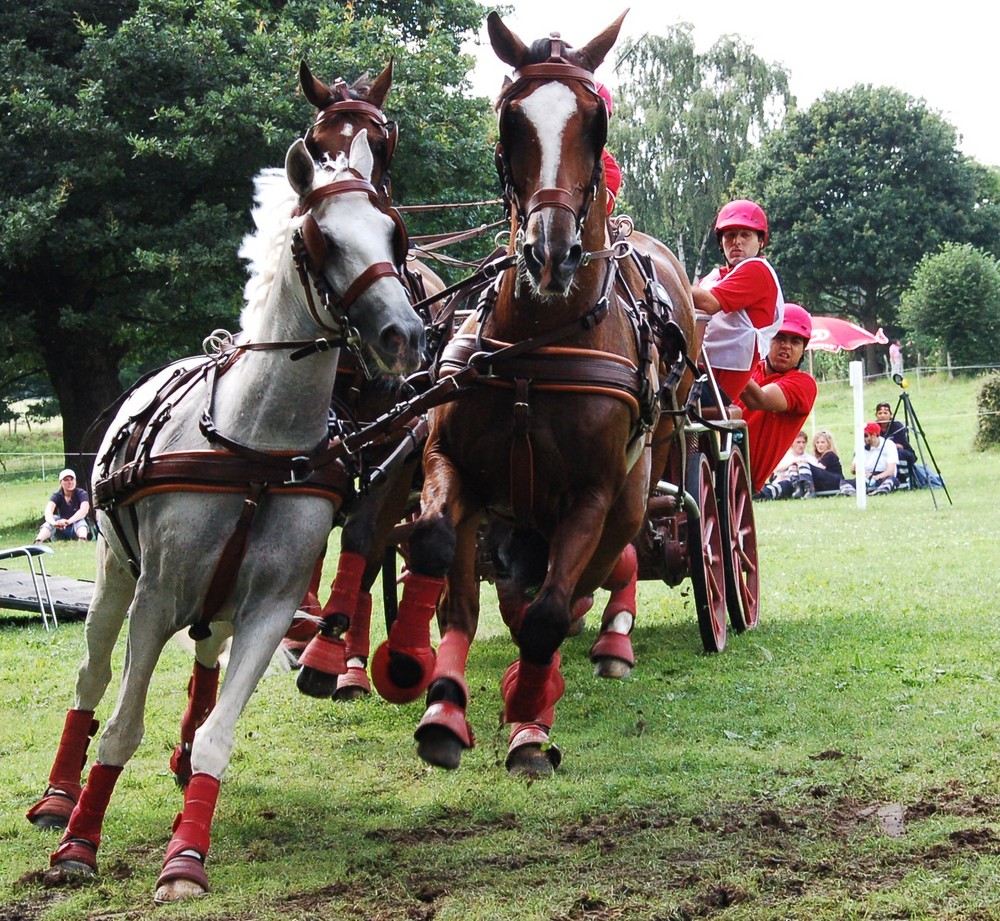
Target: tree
[(131, 132), (953, 305), (686, 121), (857, 188)]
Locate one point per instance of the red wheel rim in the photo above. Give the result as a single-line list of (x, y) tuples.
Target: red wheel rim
[(742, 572), (705, 554)]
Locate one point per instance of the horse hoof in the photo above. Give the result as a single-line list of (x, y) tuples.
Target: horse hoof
[(178, 890), (353, 685), (314, 683), (609, 667), (68, 873), (49, 821), (350, 693), (52, 810), (440, 747), (183, 877), (530, 761), (576, 626)]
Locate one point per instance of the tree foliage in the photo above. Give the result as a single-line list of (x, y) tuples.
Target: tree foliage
[(131, 133), (686, 121), (953, 305), (857, 188)]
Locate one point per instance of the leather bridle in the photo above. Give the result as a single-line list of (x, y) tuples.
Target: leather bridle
[(310, 247), (558, 69)]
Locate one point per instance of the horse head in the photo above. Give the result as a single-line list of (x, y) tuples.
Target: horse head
[(354, 247), (342, 111), (553, 126)]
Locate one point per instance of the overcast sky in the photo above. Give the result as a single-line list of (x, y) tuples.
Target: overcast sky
[(935, 52)]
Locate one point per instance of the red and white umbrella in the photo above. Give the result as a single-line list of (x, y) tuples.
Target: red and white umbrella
[(831, 334)]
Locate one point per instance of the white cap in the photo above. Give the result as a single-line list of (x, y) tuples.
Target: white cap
[(67, 472)]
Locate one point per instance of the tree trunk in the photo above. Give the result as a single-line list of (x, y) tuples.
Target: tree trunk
[(82, 365)]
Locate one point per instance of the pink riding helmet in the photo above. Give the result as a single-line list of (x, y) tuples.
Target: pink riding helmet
[(742, 213), (797, 322)]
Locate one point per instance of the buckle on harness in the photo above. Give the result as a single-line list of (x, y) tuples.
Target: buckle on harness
[(300, 471)]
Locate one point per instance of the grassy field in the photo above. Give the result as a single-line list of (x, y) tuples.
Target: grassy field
[(841, 761)]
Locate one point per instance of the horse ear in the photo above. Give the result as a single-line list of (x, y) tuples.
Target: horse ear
[(361, 159), (597, 48), (508, 47), (299, 168), (380, 86), (317, 92)]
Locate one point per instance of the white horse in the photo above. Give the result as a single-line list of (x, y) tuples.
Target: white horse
[(234, 546)]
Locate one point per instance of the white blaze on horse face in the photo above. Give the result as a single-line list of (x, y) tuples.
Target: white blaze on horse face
[(549, 109)]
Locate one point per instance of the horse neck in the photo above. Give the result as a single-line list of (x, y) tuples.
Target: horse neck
[(267, 400)]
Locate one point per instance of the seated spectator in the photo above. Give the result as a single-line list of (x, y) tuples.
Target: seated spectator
[(896, 430), (66, 512), (826, 473), (786, 482), (878, 463)]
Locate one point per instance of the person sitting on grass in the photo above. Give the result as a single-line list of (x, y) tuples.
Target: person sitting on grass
[(66, 512), (878, 463), (786, 482)]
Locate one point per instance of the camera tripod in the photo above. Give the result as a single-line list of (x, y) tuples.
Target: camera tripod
[(920, 444)]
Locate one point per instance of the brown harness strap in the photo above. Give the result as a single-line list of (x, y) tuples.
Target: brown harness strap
[(522, 459), (228, 565), (571, 370)]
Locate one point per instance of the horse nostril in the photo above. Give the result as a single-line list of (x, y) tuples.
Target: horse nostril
[(573, 258), (531, 262)]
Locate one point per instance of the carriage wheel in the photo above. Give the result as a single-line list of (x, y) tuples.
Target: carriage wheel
[(739, 543), (705, 556)]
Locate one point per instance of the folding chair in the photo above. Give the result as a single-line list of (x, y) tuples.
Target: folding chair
[(29, 553)]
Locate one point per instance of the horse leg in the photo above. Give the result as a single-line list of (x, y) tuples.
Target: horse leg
[(354, 682), (112, 591), (77, 850), (530, 694), (306, 619), (183, 875), (612, 653), (444, 732), (325, 656), (203, 686)]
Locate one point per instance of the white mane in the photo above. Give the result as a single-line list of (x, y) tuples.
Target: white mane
[(274, 202)]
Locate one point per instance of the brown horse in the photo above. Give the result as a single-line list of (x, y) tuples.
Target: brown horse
[(553, 438)]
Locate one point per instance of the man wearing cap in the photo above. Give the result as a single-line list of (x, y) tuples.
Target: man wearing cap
[(880, 461), (66, 512), (779, 396)]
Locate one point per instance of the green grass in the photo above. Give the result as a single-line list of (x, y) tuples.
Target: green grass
[(744, 785)]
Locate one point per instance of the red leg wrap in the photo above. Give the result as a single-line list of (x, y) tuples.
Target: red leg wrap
[(325, 654), (88, 816), (359, 633), (65, 777), (611, 644), (358, 638), (410, 636), (193, 825), (202, 691), (534, 733), (346, 584), (529, 690), (452, 655), (626, 570)]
